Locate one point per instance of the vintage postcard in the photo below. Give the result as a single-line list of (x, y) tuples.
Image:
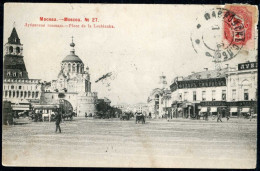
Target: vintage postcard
[(125, 85)]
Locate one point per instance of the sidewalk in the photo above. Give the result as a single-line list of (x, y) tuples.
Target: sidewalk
[(210, 120)]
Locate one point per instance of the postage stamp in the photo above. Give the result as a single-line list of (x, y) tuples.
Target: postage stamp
[(221, 33)]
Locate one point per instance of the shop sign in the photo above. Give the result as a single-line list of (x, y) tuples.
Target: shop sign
[(224, 103), (214, 82), (247, 66)]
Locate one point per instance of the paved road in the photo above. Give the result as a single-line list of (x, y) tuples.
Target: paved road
[(115, 143)]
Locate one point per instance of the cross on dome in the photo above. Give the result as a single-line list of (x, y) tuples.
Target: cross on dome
[(72, 43)]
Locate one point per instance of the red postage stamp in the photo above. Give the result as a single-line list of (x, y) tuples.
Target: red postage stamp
[(238, 25)]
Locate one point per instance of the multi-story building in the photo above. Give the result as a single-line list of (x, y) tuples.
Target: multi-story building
[(242, 88), (17, 87), (234, 89), (190, 94)]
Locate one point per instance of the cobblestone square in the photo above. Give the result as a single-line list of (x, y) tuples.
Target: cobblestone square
[(114, 143)]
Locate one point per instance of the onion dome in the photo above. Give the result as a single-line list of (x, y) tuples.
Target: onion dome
[(72, 57)]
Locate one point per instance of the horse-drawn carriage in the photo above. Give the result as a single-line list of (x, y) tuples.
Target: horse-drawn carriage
[(68, 116), (140, 118), (126, 116)]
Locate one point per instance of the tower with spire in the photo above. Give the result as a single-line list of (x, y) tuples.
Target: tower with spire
[(14, 66), (17, 87)]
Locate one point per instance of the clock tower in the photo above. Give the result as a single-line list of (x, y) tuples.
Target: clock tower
[(14, 66)]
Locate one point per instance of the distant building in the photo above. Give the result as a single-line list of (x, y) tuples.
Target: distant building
[(17, 87), (123, 107), (140, 108), (159, 99), (72, 87)]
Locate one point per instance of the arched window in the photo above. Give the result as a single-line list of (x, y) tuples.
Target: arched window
[(77, 68), (6, 93), (29, 94), (11, 49), (21, 94), (25, 94), (17, 94), (69, 67), (13, 93), (14, 74), (18, 50), (73, 67), (8, 73), (32, 94), (36, 94)]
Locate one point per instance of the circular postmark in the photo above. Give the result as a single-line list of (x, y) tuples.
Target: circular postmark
[(219, 33)]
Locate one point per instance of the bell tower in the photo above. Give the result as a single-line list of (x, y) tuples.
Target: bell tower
[(14, 66)]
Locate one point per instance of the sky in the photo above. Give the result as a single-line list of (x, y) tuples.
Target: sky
[(147, 41)]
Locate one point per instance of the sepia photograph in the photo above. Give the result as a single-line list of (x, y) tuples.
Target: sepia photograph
[(130, 85)]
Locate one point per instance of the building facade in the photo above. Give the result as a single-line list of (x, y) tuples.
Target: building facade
[(242, 88), (72, 86), (190, 94), (232, 89), (159, 99), (17, 87)]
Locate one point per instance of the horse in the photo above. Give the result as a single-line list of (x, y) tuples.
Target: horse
[(46, 115), (140, 118), (68, 116), (124, 117)]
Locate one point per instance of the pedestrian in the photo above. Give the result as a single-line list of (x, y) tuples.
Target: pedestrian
[(219, 116), (250, 114), (227, 114), (206, 116), (58, 121)]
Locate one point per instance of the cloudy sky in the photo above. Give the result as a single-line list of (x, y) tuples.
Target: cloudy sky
[(147, 40)]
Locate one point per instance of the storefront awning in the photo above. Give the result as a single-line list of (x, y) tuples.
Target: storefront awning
[(233, 109), (246, 109), (45, 106), (21, 108), (203, 109), (213, 109)]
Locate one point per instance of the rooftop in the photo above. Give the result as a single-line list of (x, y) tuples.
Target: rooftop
[(207, 74)]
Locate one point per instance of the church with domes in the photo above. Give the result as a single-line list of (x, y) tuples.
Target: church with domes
[(72, 86)]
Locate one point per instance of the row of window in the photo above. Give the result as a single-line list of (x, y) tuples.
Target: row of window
[(11, 49), (21, 94), (12, 87), (74, 68), (213, 95), (14, 74)]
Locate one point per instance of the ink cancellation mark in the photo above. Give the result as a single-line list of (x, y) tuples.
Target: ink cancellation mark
[(218, 34)]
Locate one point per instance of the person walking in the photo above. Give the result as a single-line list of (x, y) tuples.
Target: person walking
[(207, 116), (250, 114), (58, 121), (219, 116), (227, 113)]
